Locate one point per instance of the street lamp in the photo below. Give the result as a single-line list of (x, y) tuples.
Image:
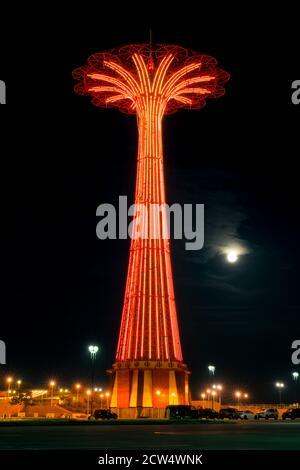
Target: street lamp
[(77, 386), (52, 384), (93, 352), (19, 385), (9, 381), (107, 396), (238, 395), (219, 388), (211, 369), (213, 394), (203, 396), (209, 392), (101, 396), (280, 386), (295, 377), (88, 401)]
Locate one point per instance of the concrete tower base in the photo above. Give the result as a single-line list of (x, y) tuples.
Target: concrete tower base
[(145, 388)]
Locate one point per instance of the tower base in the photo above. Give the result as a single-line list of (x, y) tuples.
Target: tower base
[(144, 388)]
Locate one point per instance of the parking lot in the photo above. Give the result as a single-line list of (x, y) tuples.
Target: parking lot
[(268, 435)]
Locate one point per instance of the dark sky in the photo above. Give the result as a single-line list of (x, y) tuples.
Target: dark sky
[(61, 157)]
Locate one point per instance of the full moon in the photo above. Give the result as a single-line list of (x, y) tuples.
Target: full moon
[(232, 256)]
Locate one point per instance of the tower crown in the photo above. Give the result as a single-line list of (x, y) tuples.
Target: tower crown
[(173, 76)]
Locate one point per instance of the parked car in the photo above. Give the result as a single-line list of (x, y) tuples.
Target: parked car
[(181, 412), (292, 413), (79, 416), (269, 413), (229, 413), (247, 414), (104, 414), (207, 413)]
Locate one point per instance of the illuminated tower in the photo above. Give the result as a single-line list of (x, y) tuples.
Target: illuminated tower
[(149, 81)]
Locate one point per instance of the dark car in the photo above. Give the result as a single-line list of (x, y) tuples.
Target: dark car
[(105, 414), (292, 413), (207, 413), (181, 412), (229, 413)]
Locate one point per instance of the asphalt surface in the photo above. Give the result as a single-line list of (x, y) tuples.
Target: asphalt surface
[(241, 435)]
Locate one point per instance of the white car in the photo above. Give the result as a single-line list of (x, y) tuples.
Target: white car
[(247, 414)]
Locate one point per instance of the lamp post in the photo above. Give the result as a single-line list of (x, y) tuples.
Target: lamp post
[(238, 395), (213, 394), (211, 369), (9, 381), (158, 393), (209, 393), (219, 389), (107, 397), (52, 384), (93, 352), (19, 385), (295, 378), (88, 393), (101, 397), (279, 386), (77, 386)]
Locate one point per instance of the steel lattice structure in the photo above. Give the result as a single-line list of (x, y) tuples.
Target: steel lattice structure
[(149, 81)]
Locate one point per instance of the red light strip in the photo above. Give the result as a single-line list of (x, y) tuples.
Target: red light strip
[(150, 85), (149, 327)]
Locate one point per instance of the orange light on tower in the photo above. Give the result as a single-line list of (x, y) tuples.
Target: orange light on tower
[(149, 81)]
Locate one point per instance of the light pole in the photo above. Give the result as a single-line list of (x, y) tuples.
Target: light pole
[(19, 385), (213, 394), (158, 393), (77, 386), (107, 397), (52, 384), (9, 381), (279, 386), (93, 352), (101, 397), (211, 369), (295, 378), (219, 388), (203, 396), (238, 395), (88, 402), (209, 392)]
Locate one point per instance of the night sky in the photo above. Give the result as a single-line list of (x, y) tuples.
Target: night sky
[(62, 288)]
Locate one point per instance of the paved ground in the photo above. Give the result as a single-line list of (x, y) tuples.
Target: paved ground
[(250, 435)]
